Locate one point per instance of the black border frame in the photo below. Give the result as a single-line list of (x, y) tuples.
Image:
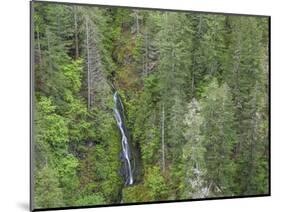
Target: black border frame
[(31, 107)]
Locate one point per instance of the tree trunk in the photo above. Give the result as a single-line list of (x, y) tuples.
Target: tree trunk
[(192, 85), (39, 50), (146, 52), (88, 63), (163, 138), (76, 33), (49, 50), (137, 21)]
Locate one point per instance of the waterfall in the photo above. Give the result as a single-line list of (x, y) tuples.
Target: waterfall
[(125, 154)]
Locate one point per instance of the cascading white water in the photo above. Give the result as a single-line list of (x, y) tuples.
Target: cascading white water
[(119, 116)]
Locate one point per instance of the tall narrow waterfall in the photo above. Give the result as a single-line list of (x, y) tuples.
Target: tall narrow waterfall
[(125, 154)]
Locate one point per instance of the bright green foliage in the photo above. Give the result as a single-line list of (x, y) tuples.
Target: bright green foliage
[(64, 128), (93, 199), (154, 188), (66, 168), (47, 190), (155, 184), (51, 143), (195, 93), (52, 126), (135, 194), (72, 73)]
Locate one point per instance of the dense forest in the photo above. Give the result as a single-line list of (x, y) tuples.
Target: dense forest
[(141, 105)]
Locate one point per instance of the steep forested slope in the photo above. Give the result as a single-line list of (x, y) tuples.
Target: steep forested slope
[(194, 93)]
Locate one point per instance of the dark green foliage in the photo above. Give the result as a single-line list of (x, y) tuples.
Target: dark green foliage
[(195, 94), (219, 138)]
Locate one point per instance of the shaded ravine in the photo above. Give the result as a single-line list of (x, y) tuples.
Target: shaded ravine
[(126, 152)]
